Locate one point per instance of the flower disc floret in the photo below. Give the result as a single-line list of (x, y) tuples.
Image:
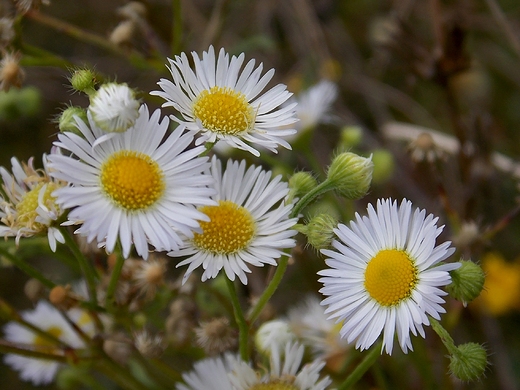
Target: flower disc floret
[(390, 277), (224, 111), (230, 228), (133, 180), (30, 206), (27, 208)]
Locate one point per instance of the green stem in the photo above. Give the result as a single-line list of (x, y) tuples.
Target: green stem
[(7, 347), (35, 56), (29, 270), (86, 266), (86, 36), (320, 189), (114, 278), (284, 261), (152, 371), (243, 328), (444, 336), (166, 370), (270, 289), (9, 313), (362, 367), (119, 374)]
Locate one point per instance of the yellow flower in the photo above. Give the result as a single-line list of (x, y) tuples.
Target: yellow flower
[(501, 292)]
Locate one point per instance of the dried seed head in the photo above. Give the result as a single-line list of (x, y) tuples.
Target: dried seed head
[(216, 336), (11, 74), (150, 346)]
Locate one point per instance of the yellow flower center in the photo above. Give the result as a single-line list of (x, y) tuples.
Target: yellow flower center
[(274, 385), (390, 277), (132, 180), (26, 208), (224, 111), (40, 341), (230, 229)]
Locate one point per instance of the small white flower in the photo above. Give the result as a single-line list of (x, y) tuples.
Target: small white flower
[(384, 275), (47, 318), (310, 323), (225, 103), (114, 108), (30, 207), (250, 224), (209, 374), (313, 105), (133, 186), (284, 371), (273, 333)]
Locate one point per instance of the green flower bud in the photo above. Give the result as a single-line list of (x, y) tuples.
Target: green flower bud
[(350, 137), (350, 175), (83, 80), (67, 119), (466, 282), (319, 230), (384, 165), (468, 362), (300, 183)]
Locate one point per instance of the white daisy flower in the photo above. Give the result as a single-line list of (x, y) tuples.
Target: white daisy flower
[(249, 225), (210, 374), (284, 372), (310, 323), (47, 318), (133, 186), (313, 104), (114, 107), (384, 275), (30, 207), (226, 104)]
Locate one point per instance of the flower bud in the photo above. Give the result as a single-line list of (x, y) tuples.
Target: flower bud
[(468, 362), (83, 80), (350, 137), (114, 108), (300, 183), (67, 120), (467, 282), (7, 33), (384, 166), (319, 230), (61, 297), (272, 334), (351, 175), (132, 10), (123, 33), (34, 289)]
